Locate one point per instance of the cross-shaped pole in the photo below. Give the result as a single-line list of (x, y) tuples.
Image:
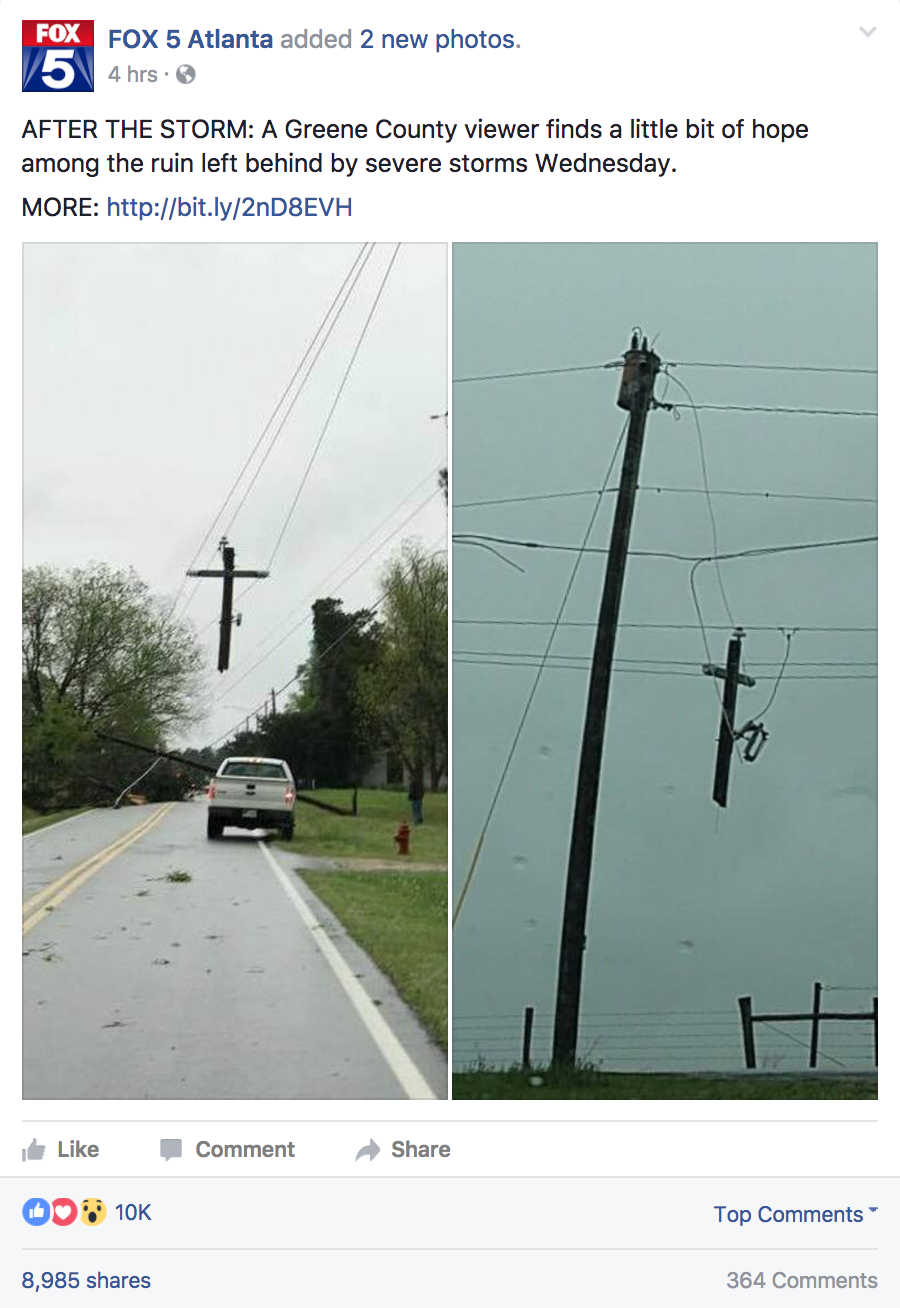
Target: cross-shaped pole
[(733, 677), (227, 572)]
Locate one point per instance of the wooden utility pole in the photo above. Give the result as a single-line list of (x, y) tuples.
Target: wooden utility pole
[(227, 572), (728, 735), (635, 395)]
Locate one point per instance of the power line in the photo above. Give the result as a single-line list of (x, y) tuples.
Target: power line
[(600, 367), (356, 275), (537, 372), (470, 874), (271, 418), (674, 490), (335, 402), (761, 552), (779, 408), (662, 672), (687, 663), (651, 626), (773, 367)]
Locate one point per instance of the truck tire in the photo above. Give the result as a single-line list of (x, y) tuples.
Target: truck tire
[(214, 827), (288, 832)]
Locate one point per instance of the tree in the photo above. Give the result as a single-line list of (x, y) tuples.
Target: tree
[(325, 713), (99, 652), (405, 693)]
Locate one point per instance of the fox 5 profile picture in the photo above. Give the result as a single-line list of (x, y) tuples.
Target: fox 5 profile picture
[(57, 54)]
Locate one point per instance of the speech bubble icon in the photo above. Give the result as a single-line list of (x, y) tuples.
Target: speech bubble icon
[(169, 1149)]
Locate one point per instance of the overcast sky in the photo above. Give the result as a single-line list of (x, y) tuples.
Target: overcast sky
[(689, 908), (150, 372)]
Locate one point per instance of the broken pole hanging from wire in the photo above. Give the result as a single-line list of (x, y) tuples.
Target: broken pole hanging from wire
[(733, 677), (636, 395), (227, 572)]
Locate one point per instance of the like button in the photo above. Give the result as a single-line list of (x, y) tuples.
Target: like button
[(36, 1212)]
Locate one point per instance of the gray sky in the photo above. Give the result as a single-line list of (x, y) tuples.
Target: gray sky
[(150, 371), (688, 910)]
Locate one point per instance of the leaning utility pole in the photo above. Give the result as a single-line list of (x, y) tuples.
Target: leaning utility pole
[(227, 572), (635, 395)]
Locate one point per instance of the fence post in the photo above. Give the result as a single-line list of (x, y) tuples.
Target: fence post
[(875, 1025), (814, 1037), (745, 1004), (526, 1037)]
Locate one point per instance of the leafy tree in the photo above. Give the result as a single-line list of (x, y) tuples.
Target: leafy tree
[(99, 653), (330, 741), (405, 694)]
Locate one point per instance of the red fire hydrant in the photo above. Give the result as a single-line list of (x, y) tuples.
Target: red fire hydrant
[(401, 840)]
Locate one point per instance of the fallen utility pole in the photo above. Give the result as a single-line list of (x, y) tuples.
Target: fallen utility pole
[(209, 768), (227, 572), (635, 395)]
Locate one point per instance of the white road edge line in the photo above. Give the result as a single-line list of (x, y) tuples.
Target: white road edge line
[(398, 1060), (51, 825)]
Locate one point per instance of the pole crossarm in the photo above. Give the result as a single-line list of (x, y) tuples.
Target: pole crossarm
[(227, 574), (239, 572)]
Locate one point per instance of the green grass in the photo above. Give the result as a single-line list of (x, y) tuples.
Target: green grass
[(586, 1084), (34, 821), (400, 920), (371, 833)]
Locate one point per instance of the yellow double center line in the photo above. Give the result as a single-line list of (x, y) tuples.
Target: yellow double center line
[(35, 908)]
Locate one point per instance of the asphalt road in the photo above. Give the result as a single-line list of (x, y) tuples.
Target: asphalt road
[(161, 965)]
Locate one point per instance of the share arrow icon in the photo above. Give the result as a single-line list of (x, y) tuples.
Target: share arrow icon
[(370, 1150)]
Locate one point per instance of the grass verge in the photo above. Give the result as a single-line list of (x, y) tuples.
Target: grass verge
[(541, 1083), (400, 920), (371, 833), (34, 821)]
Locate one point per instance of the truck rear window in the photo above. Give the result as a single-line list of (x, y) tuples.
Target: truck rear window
[(268, 771)]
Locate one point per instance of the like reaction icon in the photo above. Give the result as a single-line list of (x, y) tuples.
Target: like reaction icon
[(36, 1212), (34, 1152), (64, 1212)]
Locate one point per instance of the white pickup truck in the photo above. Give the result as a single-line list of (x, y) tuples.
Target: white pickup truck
[(251, 793)]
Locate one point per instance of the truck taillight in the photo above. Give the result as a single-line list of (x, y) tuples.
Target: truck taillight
[(289, 796), (211, 790)]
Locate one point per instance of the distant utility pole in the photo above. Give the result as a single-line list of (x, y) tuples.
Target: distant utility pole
[(274, 709), (635, 395), (227, 572)]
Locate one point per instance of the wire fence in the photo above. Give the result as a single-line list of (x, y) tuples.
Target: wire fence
[(673, 1041)]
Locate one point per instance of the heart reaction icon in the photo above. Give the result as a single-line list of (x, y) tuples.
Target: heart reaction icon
[(64, 1211)]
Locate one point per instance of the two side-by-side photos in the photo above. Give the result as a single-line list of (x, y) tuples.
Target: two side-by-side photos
[(449, 671)]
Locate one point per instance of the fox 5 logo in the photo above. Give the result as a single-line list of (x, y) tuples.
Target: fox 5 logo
[(57, 55)]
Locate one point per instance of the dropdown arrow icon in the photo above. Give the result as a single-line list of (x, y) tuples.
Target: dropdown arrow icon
[(869, 32)]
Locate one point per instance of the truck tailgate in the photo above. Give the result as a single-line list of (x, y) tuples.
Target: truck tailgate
[(250, 792)]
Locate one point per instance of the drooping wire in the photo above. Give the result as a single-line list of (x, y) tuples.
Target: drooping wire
[(763, 551), (788, 636), (709, 503), (470, 873)]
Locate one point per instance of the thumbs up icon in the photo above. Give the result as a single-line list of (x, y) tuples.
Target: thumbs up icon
[(36, 1211), (35, 1151)]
